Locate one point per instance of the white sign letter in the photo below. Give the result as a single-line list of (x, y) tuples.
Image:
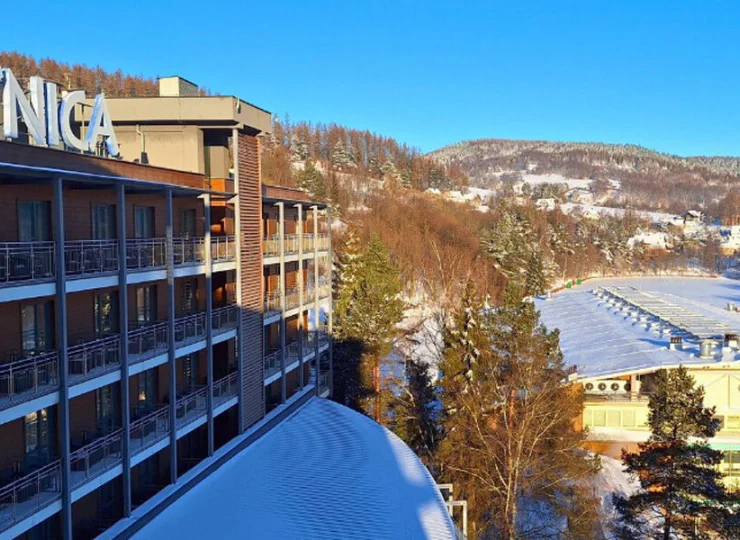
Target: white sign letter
[(15, 104), (101, 125), (65, 120)]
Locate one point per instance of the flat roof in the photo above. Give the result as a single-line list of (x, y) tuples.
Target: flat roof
[(325, 472), (601, 341)]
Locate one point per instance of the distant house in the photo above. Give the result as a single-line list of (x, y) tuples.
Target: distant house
[(693, 216), (545, 204)]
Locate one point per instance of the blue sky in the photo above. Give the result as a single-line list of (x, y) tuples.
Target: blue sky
[(660, 74)]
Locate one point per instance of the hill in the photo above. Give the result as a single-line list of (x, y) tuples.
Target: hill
[(647, 179)]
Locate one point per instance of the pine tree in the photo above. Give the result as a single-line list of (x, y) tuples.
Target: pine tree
[(679, 480), (369, 308), (509, 422), (311, 179)]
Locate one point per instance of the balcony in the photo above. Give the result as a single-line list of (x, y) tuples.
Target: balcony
[(95, 458), (85, 257), (224, 319), (272, 302), (147, 341), (28, 378), (190, 329), (223, 248), (93, 358), (272, 362), (191, 407), (292, 352), (26, 261), (271, 244), (225, 389), (29, 494), (149, 429), (292, 298)]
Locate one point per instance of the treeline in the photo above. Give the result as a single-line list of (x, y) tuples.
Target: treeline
[(80, 77), (649, 180), (360, 160)]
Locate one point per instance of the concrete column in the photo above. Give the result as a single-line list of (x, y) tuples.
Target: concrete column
[(61, 345), (316, 307), (209, 317), (171, 336), (301, 286), (123, 353), (281, 230), (330, 310)]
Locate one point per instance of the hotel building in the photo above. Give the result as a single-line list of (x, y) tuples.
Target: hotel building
[(160, 310)]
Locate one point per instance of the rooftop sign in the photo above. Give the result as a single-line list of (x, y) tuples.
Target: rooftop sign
[(49, 119)]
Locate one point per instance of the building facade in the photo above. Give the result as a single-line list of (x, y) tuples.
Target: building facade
[(157, 308)]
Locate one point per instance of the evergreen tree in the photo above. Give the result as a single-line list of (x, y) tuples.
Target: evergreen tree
[(414, 412), (509, 423), (311, 180), (678, 478), (369, 308)]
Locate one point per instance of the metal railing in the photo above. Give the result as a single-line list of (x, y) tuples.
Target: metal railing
[(188, 250), (150, 429), (223, 248), (292, 298), (146, 253), (324, 291), (272, 301), (308, 242), (90, 256), (94, 358), (309, 342), (323, 382), (27, 378), (26, 261), (224, 318), (190, 328), (292, 352), (272, 362), (225, 388), (29, 494), (271, 245), (95, 458), (322, 241), (323, 337), (147, 341), (292, 244), (192, 406)]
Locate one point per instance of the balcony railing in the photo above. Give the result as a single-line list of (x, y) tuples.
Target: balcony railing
[(271, 245), (322, 241), (272, 362), (323, 382), (191, 407), (223, 248), (94, 358), (292, 352), (308, 242), (190, 328), (149, 429), (226, 388), (146, 253), (26, 261), (28, 378), (224, 318), (147, 341), (90, 257), (95, 458), (292, 298), (186, 250), (292, 244), (272, 301), (26, 496)]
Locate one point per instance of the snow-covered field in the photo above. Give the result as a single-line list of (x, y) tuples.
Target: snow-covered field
[(556, 179), (590, 209)]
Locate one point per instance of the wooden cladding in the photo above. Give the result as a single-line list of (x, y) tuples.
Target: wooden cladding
[(250, 288)]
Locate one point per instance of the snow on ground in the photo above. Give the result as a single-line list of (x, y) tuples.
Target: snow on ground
[(595, 211), (325, 472), (556, 179), (600, 341), (611, 480)]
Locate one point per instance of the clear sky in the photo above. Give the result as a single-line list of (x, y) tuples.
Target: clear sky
[(662, 74)]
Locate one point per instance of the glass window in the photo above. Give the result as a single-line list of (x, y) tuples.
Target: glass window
[(188, 301), (188, 223), (732, 422), (38, 432), (613, 418), (628, 418), (189, 368), (147, 389), (144, 222), (37, 327), (146, 304), (599, 418), (106, 313), (106, 400), (34, 221), (104, 222)]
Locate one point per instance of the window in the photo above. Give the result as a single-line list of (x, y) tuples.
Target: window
[(106, 313), (190, 372), (188, 223), (144, 221), (146, 304), (104, 222), (106, 410), (38, 430), (732, 422), (147, 390), (628, 418), (599, 418), (189, 302), (34, 221), (37, 328), (613, 418)]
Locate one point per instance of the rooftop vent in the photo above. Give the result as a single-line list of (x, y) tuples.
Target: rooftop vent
[(705, 348), (676, 343)]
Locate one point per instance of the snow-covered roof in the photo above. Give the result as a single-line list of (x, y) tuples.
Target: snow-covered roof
[(601, 341), (325, 472)]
